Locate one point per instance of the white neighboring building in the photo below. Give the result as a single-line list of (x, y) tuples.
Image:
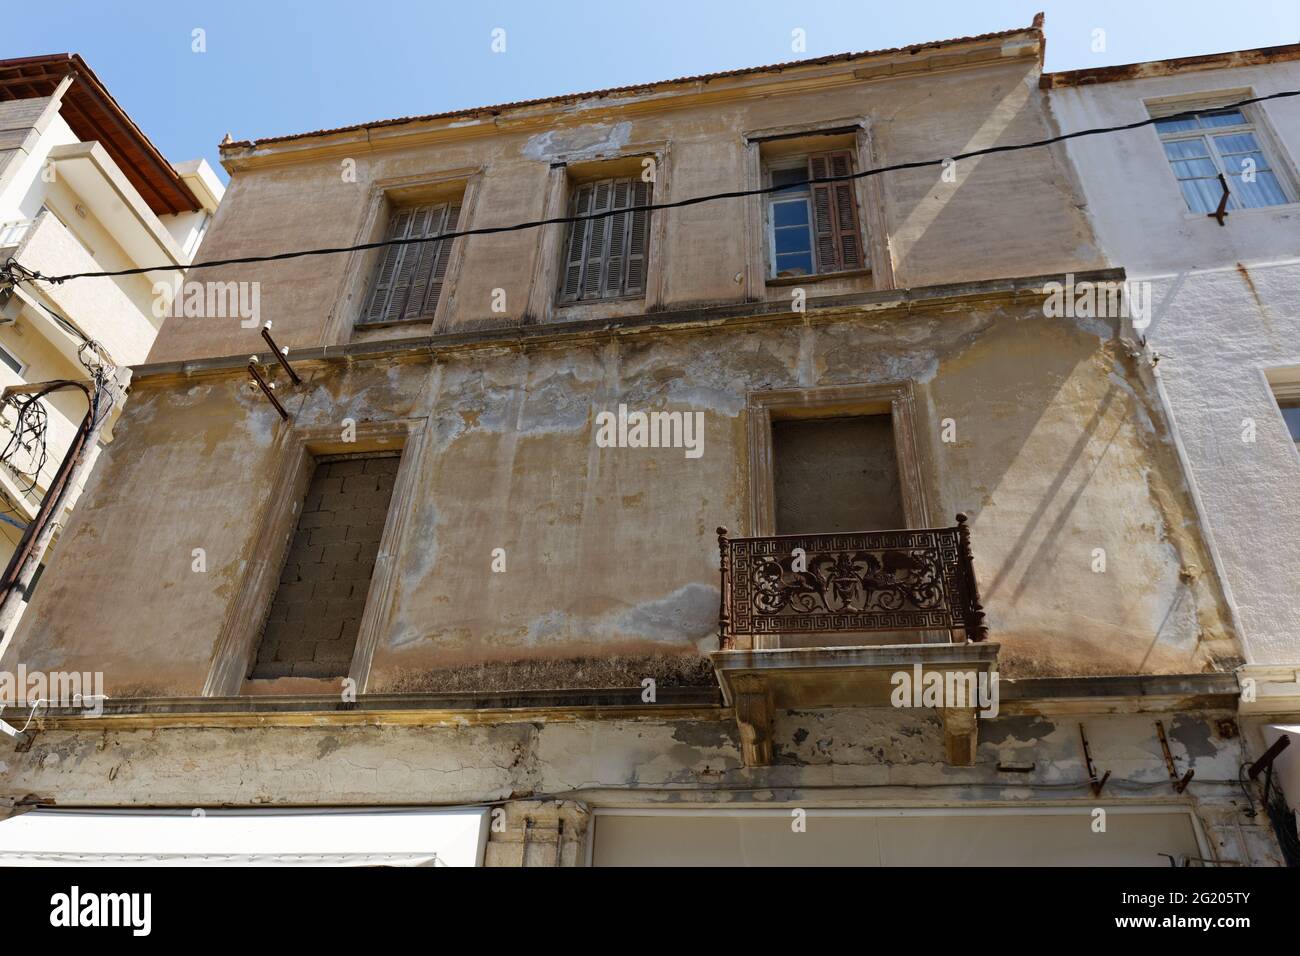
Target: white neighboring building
[(81, 189), (1225, 323)]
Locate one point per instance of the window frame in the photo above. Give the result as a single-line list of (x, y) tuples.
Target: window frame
[(770, 200), (897, 399), (1289, 404), (315, 459), (394, 209), (575, 189), (1255, 123), (794, 161), (21, 371), (1286, 394), (345, 322), (831, 401), (550, 259), (763, 145)]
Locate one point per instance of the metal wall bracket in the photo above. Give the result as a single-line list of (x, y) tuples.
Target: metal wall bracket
[(1092, 771), (22, 739), (1179, 783), (281, 356), (266, 387), (1221, 213)]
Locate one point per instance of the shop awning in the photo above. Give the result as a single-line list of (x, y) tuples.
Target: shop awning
[(48, 837)]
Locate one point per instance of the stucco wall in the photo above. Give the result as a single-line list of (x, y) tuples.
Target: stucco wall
[(828, 758), (114, 312), (1010, 215), (1226, 313), (610, 551)]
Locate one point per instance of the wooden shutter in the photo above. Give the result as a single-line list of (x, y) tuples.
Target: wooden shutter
[(606, 258), (616, 257), (576, 245), (638, 238), (424, 255), (404, 282), (379, 295), (441, 257), (835, 213), (410, 278), (597, 240)]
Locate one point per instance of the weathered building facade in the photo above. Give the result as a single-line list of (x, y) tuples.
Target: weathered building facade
[(1225, 322), (477, 562)]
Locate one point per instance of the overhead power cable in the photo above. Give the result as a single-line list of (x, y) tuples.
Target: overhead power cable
[(14, 271)]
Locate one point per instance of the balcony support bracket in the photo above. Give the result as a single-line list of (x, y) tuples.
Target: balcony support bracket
[(1178, 783), (753, 704), (960, 734), (756, 684)]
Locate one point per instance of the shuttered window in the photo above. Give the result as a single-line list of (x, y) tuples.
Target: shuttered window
[(606, 258), (410, 277), (813, 227)]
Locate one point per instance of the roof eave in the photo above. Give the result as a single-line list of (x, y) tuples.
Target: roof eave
[(177, 196), (1259, 56), (614, 95)]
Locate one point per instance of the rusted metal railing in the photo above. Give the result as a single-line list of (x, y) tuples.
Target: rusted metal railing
[(915, 579)]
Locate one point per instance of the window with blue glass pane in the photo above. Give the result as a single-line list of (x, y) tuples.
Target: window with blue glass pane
[(790, 223), (1203, 145), (792, 249), (1291, 412), (811, 229)]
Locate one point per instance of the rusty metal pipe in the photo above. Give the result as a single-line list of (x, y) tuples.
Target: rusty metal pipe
[(266, 390), (279, 356)]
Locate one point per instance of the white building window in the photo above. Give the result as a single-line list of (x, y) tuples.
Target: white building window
[(1291, 413), (12, 361), (12, 233), (1287, 395), (1226, 141)]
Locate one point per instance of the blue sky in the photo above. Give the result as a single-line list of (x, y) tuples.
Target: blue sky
[(282, 66)]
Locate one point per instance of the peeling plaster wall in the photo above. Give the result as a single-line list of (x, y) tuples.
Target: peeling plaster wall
[(611, 556), (1226, 313), (827, 758), (940, 232)]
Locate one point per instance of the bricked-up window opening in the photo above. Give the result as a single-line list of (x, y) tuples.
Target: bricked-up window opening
[(410, 278), (606, 258), (836, 474), (812, 229), (311, 630)]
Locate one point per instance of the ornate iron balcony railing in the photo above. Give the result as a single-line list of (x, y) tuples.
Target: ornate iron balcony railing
[(915, 579)]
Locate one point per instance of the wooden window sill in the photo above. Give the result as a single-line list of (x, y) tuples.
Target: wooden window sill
[(578, 303), (819, 277), (391, 323)]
